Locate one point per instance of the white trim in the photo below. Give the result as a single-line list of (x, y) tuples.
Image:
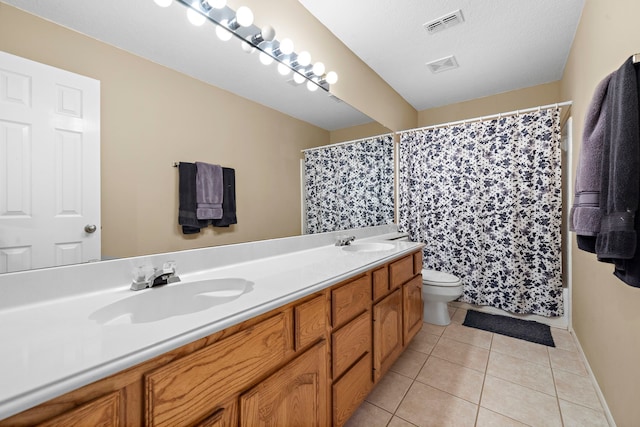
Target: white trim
[(568, 247), (493, 116), (346, 142), (396, 182), (303, 200), (592, 377)]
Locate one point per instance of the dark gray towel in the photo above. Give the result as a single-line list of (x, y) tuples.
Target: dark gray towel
[(628, 270), (585, 215), (209, 191), (228, 200), (187, 199), (620, 192)]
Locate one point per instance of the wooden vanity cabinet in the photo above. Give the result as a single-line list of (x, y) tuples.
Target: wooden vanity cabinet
[(310, 363)]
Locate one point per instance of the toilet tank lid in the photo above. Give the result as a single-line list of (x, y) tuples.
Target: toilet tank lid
[(438, 276)]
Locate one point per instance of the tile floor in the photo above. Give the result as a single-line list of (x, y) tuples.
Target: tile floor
[(459, 376)]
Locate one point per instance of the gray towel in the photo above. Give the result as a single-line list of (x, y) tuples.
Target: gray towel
[(209, 191), (620, 192), (585, 215), (187, 200)]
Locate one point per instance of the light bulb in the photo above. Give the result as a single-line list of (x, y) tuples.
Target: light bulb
[(268, 33), (164, 3), (318, 68), (311, 86), (265, 58), (298, 78), (244, 16), (217, 4), (331, 77), (222, 32), (247, 46), (283, 69), (195, 18), (286, 46), (304, 58)]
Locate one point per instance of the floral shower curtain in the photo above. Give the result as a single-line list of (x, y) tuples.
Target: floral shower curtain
[(485, 197), (350, 185)]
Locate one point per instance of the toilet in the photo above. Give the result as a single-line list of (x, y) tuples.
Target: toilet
[(439, 288)]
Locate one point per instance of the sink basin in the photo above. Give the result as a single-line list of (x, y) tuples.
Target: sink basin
[(368, 247), (176, 299)]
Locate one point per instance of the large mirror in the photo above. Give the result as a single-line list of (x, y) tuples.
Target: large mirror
[(172, 92)]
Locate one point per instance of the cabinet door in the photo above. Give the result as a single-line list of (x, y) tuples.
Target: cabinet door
[(296, 395), (103, 412), (412, 308), (387, 332)]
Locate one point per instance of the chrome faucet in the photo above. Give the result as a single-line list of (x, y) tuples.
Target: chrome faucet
[(148, 277), (345, 240)]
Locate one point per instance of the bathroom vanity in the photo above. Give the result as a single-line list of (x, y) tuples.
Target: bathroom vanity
[(275, 355)]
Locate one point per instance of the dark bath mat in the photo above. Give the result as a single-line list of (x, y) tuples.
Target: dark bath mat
[(527, 330)]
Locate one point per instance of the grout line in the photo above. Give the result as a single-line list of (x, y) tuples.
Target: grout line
[(484, 379), (555, 387)]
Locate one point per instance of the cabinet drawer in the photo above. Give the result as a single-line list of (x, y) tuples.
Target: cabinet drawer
[(310, 319), (224, 415), (350, 342), (189, 389), (350, 391), (350, 300), (417, 262), (380, 279), (400, 271), (104, 412)]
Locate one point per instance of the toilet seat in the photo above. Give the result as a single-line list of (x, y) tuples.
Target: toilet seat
[(439, 278)]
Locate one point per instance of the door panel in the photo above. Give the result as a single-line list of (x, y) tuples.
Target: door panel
[(49, 165)]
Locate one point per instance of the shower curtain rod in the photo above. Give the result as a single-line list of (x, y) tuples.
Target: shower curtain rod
[(346, 142), (492, 116)]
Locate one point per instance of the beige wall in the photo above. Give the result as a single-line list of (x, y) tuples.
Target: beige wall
[(358, 85), (509, 101), (606, 312), (152, 117), (357, 132)]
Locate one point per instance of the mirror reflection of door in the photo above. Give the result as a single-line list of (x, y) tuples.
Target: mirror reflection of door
[(49, 166)]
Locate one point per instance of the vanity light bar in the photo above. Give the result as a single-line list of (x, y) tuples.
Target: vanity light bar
[(240, 24)]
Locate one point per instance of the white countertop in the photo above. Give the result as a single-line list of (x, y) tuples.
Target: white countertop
[(54, 346)]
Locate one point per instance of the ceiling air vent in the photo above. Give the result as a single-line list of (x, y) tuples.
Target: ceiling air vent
[(444, 22), (443, 64)]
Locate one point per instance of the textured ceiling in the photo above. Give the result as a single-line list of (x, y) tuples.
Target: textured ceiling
[(502, 45)]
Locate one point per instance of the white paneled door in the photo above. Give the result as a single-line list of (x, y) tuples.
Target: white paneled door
[(49, 166)]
